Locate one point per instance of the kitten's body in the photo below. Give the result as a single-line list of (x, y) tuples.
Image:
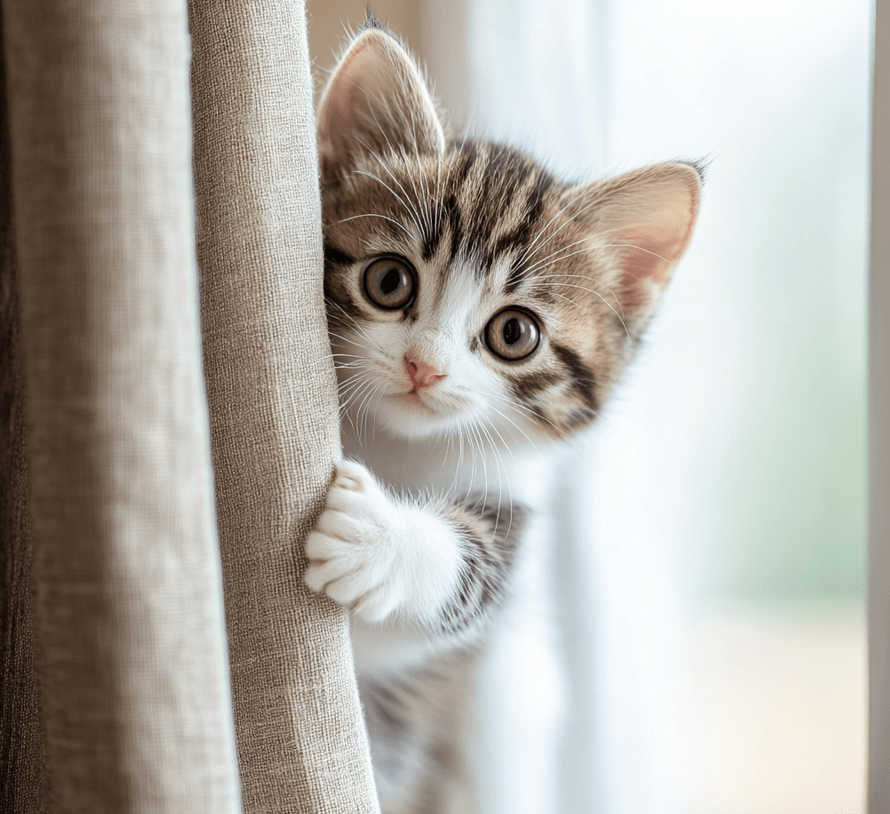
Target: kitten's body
[(454, 682), (480, 312)]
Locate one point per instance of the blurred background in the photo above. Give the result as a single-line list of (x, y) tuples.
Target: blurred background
[(712, 563)]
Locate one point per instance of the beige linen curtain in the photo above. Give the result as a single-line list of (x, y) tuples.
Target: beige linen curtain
[(148, 593)]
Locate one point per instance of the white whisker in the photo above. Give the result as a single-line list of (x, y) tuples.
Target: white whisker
[(412, 212)]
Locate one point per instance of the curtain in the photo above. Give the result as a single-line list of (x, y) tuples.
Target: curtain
[(724, 474), (159, 653), (273, 407)]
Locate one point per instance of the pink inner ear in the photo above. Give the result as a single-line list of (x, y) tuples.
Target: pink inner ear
[(349, 94), (376, 100), (651, 251)]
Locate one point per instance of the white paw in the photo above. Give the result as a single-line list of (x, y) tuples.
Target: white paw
[(377, 556)]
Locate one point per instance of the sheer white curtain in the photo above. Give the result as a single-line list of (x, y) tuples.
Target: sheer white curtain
[(712, 531)]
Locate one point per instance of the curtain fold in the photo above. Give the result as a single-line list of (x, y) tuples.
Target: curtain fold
[(22, 765), (273, 405), (126, 580), (116, 693)]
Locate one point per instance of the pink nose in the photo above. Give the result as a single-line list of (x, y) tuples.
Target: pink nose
[(421, 374)]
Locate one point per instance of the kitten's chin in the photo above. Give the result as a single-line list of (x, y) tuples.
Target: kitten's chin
[(411, 419)]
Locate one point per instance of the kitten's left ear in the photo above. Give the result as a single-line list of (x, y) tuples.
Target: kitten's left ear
[(644, 220), (376, 100)]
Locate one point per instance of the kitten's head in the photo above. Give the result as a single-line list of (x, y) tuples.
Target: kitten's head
[(465, 285)]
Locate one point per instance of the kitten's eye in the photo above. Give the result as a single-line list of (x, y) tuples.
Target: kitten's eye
[(512, 334), (389, 283)]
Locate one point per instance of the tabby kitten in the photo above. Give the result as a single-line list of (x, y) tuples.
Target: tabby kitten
[(481, 311)]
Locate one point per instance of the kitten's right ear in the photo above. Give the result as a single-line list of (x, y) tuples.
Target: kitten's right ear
[(376, 100)]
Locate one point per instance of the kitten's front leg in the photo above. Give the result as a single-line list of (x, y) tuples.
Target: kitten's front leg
[(441, 564)]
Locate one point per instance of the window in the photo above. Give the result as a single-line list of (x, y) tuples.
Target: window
[(715, 626)]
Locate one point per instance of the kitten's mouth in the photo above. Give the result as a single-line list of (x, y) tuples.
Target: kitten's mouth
[(426, 401), (413, 414), (413, 397)]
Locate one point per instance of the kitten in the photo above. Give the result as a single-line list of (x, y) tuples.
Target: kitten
[(481, 311)]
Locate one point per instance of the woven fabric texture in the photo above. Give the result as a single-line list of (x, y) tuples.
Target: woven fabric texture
[(22, 777), (273, 408), (127, 603)]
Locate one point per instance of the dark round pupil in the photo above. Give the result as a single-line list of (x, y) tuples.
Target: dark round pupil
[(390, 281), (512, 331)]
